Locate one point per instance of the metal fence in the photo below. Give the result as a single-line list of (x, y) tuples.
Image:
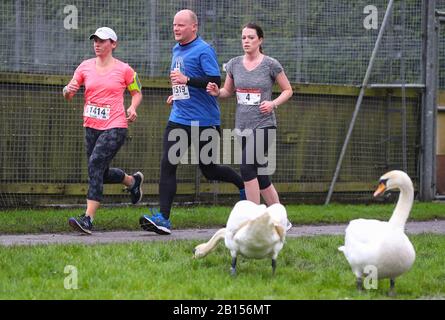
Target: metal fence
[(324, 47), (316, 41)]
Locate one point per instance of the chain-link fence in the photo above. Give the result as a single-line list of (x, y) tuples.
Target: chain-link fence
[(324, 47), (316, 41)]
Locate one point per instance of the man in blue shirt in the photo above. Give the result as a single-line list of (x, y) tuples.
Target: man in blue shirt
[(194, 64)]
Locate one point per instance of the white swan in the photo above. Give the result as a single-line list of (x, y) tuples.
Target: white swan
[(381, 244), (253, 231)]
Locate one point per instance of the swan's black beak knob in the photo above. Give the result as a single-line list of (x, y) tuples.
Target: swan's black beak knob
[(381, 188)]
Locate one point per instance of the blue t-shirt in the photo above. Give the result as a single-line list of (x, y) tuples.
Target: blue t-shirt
[(196, 59)]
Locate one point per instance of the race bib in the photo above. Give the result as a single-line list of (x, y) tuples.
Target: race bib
[(249, 97), (97, 112), (181, 92)]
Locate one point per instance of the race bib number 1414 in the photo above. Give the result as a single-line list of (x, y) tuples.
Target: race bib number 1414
[(97, 112)]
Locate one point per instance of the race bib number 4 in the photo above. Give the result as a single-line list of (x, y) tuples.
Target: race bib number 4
[(249, 97), (97, 112), (181, 92)]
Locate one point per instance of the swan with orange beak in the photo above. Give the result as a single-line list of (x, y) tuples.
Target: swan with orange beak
[(382, 245)]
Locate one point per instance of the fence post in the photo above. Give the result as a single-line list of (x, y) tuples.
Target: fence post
[(427, 170), (359, 100)]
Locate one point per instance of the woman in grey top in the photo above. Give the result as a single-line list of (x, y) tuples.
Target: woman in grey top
[(251, 77)]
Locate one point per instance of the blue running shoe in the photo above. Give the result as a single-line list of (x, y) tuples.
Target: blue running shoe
[(242, 194), (155, 223)]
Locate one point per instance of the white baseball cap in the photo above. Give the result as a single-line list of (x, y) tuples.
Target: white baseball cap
[(105, 33)]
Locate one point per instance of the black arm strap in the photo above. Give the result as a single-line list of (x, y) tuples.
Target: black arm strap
[(202, 82)]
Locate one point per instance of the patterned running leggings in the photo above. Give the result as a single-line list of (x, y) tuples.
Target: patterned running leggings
[(102, 146)]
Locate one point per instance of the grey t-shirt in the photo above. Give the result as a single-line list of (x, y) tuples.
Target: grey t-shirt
[(253, 87)]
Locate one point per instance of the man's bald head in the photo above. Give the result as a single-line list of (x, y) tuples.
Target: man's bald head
[(185, 26), (187, 13)]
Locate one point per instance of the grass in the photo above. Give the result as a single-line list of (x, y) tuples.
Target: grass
[(38, 221), (308, 268)]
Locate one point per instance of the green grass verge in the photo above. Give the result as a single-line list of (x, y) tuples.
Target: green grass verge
[(308, 268), (37, 221)]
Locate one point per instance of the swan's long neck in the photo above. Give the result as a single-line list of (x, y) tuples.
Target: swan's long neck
[(403, 207), (205, 248)]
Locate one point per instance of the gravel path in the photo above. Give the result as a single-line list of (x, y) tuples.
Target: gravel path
[(436, 226)]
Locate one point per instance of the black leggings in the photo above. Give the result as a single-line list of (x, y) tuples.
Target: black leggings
[(102, 146), (212, 171), (251, 161)]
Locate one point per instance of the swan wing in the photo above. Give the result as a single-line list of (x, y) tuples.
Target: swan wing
[(242, 212), (365, 231), (363, 239), (278, 214), (396, 254), (281, 232), (260, 237)]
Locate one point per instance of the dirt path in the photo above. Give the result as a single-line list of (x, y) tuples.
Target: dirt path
[(436, 226)]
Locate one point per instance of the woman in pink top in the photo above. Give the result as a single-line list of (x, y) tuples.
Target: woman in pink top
[(105, 120)]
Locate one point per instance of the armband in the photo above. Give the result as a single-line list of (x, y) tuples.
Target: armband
[(135, 85)]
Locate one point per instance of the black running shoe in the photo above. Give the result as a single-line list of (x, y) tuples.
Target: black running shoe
[(82, 224), (136, 189)]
